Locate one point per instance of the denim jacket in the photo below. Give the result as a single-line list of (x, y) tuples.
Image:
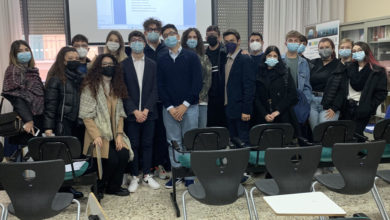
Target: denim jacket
[(303, 77)]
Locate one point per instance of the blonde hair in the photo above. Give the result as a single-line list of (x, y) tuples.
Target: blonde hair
[(346, 40), (120, 54)]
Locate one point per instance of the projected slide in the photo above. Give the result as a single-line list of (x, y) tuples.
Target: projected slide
[(130, 14)]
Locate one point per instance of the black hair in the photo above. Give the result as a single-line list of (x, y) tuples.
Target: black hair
[(214, 28), (256, 34), (151, 21), (167, 26), (79, 37), (232, 31), (280, 66), (137, 34)]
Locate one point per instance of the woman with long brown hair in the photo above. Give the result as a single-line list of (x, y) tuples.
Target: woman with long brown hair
[(23, 87), (62, 98), (101, 109), (115, 45)]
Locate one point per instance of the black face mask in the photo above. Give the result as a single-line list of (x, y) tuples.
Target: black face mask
[(212, 40), (109, 71), (73, 65)]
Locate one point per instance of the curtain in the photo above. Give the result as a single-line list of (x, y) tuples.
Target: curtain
[(11, 30), (281, 16)]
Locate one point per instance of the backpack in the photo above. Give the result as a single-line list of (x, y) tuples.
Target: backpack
[(302, 108)]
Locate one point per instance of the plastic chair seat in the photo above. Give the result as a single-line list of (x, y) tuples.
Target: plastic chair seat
[(333, 181), (185, 160), (386, 153), (326, 154), (197, 191), (80, 172), (267, 186), (60, 202), (253, 158), (384, 174)]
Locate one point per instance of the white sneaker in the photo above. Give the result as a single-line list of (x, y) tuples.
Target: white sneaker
[(149, 181), (133, 184), (125, 180)]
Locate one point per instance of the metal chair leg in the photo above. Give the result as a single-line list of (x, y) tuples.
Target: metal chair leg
[(253, 203), (313, 186), (78, 208), (5, 214), (184, 204), (379, 202), (247, 203), (2, 211)]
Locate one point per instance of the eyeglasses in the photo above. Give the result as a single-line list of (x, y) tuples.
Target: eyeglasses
[(107, 64), (152, 29), (134, 39), (172, 33)]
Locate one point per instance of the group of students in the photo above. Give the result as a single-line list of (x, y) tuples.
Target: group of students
[(134, 105)]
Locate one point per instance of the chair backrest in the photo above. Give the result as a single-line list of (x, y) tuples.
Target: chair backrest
[(357, 163), (32, 186), (271, 135), (330, 132), (382, 130), (51, 148), (212, 138), (293, 168), (220, 173)]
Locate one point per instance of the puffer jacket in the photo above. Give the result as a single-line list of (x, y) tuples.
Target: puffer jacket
[(62, 98)]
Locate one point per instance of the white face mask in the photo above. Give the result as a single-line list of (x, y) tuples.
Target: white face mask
[(255, 46), (82, 52), (112, 46)]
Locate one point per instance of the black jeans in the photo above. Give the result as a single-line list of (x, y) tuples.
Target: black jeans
[(141, 137), (160, 146), (113, 169), (350, 114)]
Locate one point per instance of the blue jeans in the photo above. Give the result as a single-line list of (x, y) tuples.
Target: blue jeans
[(175, 129), (318, 113), (202, 120)]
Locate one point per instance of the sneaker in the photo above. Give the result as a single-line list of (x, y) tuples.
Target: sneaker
[(160, 172), (149, 181), (169, 184), (188, 182), (133, 184), (125, 180), (246, 179)]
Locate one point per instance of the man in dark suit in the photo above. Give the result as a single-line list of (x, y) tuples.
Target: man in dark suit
[(239, 87), (140, 106)]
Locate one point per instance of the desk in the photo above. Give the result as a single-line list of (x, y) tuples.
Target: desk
[(304, 204)]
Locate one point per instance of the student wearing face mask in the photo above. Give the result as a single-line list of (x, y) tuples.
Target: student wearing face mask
[(23, 87), (179, 81), (140, 107), (62, 100), (101, 109), (239, 87), (115, 45), (302, 47), (152, 32), (80, 43), (216, 53), (367, 86), (345, 50), (327, 77), (192, 39), (300, 72), (256, 47), (276, 92)]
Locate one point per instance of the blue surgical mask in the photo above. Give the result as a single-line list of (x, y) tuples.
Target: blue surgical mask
[(301, 48), (192, 43), (292, 47), (271, 62), (153, 36), (24, 57), (170, 41), (231, 47), (137, 46), (344, 53), (358, 56)]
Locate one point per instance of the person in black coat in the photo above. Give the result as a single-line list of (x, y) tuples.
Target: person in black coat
[(62, 100), (367, 86), (276, 93), (327, 77), (141, 108)]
